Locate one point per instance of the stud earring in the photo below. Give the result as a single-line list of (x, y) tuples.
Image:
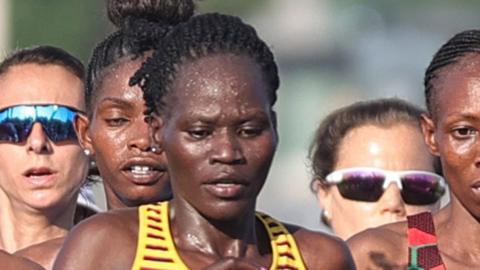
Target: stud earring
[(87, 152), (325, 217)]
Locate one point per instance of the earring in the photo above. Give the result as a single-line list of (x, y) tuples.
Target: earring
[(325, 217), (87, 152)]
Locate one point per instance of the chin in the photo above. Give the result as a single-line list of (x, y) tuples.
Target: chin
[(228, 210), (46, 201)]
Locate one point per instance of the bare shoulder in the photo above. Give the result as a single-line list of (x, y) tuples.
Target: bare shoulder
[(89, 244), (43, 253), (9, 261), (384, 247), (320, 250)]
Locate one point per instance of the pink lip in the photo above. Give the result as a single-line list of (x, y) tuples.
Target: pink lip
[(40, 177)]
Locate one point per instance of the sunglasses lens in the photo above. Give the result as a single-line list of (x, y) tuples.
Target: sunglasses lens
[(361, 186), (57, 121), (15, 130), (58, 124), (421, 189)]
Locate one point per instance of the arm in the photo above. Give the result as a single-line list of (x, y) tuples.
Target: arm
[(105, 241), (379, 248), (322, 251)]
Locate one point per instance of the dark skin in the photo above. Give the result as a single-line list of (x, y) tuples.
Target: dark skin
[(452, 133), (9, 261), (219, 136), (119, 139)]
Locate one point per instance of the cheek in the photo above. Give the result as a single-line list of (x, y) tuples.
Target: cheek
[(109, 147)]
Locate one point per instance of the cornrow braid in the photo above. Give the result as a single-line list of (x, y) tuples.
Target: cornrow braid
[(135, 38), (450, 53), (201, 36)]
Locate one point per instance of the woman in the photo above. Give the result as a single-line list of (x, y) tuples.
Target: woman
[(354, 150), (449, 239), (42, 165), (116, 132), (212, 84)]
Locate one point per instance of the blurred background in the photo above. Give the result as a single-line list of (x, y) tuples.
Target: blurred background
[(330, 54)]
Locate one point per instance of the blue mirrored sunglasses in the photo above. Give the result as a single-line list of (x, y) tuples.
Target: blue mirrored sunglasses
[(57, 121)]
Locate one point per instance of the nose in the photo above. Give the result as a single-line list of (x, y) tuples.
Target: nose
[(227, 149), (391, 202), (140, 137), (37, 140)]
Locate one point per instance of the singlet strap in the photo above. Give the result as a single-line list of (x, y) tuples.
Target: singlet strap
[(423, 251), (155, 247), (285, 253)]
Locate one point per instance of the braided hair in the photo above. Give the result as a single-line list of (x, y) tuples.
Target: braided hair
[(141, 26), (201, 36), (450, 53)]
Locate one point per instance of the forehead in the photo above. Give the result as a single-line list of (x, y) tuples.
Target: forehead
[(220, 76), (374, 146), (115, 81), (458, 88), (41, 84)]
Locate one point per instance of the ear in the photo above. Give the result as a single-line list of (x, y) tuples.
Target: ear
[(275, 123), (428, 130), (324, 196), (81, 128)]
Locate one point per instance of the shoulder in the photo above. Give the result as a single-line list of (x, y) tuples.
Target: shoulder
[(385, 247), (320, 250), (43, 253), (89, 244), (9, 261)]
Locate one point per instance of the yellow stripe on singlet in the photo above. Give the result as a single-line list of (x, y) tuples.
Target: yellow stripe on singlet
[(156, 249)]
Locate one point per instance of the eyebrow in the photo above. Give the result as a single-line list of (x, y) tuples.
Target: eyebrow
[(116, 102)]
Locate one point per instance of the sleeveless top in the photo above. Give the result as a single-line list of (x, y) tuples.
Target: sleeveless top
[(156, 248), (423, 252)]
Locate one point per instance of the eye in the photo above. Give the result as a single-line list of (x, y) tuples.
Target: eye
[(464, 132), (199, 133), (116, 122), (250, 131)]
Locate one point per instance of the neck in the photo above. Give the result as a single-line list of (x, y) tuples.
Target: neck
[(450, 219), (23, 226), (219, 238)]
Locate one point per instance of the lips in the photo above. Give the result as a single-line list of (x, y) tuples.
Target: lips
[(40, 177), (476, 187), (143, 171), (229, 188)]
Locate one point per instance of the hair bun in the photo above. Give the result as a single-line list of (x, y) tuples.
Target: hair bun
[(168, 12)]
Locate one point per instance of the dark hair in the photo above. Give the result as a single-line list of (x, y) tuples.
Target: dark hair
[(329, 135), (201, 36), (450, 53), (44, 55), (141, 26)]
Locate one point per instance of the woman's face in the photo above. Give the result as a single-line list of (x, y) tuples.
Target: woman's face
[(40, 174), (396, 148), (120, 140), (219, 135), (453, 134)]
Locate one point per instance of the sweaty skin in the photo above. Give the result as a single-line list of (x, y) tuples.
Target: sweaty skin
[(120, 141), (451, 133), (219, 137)]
